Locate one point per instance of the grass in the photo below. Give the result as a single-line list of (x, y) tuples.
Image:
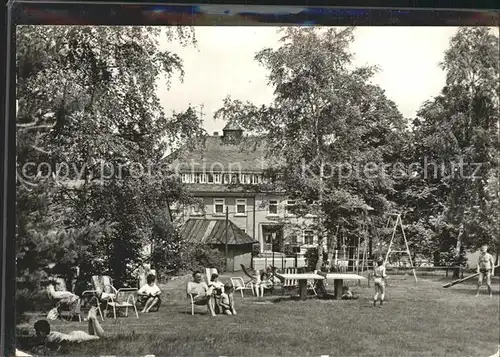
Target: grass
[(418, 320)]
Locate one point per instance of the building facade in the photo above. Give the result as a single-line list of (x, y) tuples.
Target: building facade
[(222, 172)]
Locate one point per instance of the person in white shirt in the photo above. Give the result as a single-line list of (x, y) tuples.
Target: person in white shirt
[(485, 269), (151, 293), (201, 292), (46, 336)]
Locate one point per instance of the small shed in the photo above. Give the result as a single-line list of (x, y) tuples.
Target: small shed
[(213, 233)]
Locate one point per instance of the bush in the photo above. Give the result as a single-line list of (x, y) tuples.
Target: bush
[(197, 256)]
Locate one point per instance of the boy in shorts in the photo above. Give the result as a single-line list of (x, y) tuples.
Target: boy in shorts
[(485, 269)]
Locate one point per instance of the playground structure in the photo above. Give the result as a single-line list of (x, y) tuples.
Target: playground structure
[(353, 256), (396, 219)]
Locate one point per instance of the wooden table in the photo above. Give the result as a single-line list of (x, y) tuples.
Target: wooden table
[(338, 281), (302, 279)]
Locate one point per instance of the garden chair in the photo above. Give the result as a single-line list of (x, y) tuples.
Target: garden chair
[(64, 299), (191, 303), (124, 299), (117, 298), (239, 285), (112, 297)]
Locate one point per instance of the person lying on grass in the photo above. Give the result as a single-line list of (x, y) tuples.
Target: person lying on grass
[(347, 294), (150, 294), (227, 300), (54, 339), (201, 293)]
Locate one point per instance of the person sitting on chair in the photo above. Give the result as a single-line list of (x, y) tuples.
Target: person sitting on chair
[(201, 293), (55, 339), (150, 292)]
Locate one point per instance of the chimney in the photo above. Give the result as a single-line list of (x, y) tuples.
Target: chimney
[(216, 133)]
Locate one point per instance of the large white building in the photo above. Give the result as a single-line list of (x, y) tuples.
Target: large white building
[(223, 171)]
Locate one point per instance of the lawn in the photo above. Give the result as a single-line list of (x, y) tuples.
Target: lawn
[(418, 320)]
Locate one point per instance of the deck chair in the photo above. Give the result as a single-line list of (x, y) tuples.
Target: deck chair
[(239, 285), (64, 299)]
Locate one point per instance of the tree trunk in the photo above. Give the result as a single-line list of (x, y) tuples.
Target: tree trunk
[(456, 271)]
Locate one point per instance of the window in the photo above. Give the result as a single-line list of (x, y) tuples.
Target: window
[(184, 178), (196, 210), (255, 179), (226, 178), (203, 178), (210, 178), (219, 205), (273, 207), (217, 178), (234, 178), (243, 178), (308, 237), (197, 178), (241, 207), (288, 208)]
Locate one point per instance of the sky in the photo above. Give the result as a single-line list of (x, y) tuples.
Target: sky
[(223, 64)]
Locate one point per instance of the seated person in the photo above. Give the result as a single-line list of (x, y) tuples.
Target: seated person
[(201, 293), (347, 294), (65, 299), (227, 300), (150, 293), (263, 281), (216, 285), (55, 339)]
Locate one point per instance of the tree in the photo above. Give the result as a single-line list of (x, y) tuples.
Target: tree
[(456, 141), (326, 123), (91, 136)]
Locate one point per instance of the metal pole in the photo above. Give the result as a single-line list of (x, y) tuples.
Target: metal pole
[(272, 245), (227, 239)]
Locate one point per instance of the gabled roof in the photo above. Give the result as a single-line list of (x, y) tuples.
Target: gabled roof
[(213, 231), (214, 153)]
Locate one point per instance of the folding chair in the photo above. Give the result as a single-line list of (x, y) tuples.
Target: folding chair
[(108, 294), (190, 302), (239, 285), (124, 299)]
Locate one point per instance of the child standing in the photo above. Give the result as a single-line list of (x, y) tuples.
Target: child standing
[(379, 276)]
